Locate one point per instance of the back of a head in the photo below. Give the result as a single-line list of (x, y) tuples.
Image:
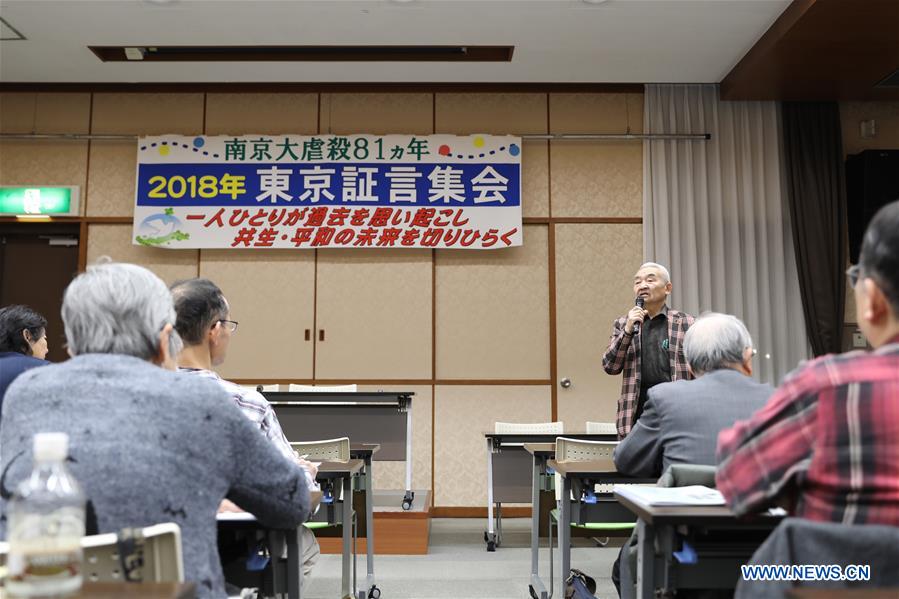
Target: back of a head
[(199, 304), (880, 253), (116, 308), (16, 319), (715, 341)]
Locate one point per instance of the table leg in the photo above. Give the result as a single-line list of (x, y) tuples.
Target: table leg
[(295, 563), (565, 534), (535, 517), (347, 521), (490, 536), (645, 560), (276, 540), (665, 543), (537, 589), (369, 529), (409, 495)]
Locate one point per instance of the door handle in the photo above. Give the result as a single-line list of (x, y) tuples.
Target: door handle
[(565, 383), (321, 334)]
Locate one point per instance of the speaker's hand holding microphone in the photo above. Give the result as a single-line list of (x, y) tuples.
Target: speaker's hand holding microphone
[(635, 317)]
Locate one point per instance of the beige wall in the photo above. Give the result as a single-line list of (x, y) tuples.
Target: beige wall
[(886, 117), (470, 332)]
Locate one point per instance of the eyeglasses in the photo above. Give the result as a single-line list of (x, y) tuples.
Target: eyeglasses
[(231, 325), (853, 272)]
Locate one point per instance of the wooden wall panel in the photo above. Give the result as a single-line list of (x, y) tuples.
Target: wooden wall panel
[(241, 114), (493, 311), (44, 112), (111, 178), (374, 307), (148, 114), (595, 113), (501, 114), (535, 178), (462, 415), (596, 178), (595, 264), (272, 295), (377, 114)]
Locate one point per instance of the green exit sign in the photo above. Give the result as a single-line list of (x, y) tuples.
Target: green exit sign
[(35, 200)]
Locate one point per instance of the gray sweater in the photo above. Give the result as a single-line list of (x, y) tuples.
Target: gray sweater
[(151, 446)]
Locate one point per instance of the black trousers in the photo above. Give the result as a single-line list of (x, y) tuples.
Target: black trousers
[(616, 570)]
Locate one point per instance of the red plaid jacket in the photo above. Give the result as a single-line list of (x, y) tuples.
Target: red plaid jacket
[(623, 355), (826, 445)]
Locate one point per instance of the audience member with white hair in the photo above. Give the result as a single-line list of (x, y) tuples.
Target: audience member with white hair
[(646, 344), (682, 419), (147, 445)]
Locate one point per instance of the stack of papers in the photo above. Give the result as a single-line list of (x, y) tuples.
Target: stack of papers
[(661, 496)]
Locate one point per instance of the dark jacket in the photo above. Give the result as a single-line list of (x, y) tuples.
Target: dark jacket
[(681, 421), (12, 364)]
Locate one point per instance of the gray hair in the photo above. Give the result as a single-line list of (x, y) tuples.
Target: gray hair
[(665, 274), (714, 341), (116, 308)]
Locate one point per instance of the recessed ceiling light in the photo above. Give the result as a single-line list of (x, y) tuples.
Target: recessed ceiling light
[(594, 1)]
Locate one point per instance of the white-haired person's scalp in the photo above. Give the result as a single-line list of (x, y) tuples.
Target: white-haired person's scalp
[(116, 308), (716, 341)]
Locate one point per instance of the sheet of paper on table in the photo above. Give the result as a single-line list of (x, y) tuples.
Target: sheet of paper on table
[(662, 496)]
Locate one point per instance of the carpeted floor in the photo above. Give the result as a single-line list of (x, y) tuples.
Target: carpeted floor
[(459, 566)]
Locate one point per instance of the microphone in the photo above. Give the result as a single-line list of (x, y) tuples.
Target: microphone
[(639, 303)]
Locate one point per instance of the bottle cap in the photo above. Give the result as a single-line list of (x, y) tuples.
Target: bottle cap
[(51, 446)]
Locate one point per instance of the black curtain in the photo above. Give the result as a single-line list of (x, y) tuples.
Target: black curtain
[(813, 148)]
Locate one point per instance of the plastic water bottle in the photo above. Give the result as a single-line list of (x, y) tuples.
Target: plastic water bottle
[(46, 523)]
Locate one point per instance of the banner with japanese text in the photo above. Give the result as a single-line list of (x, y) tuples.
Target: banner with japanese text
[(335, 191)]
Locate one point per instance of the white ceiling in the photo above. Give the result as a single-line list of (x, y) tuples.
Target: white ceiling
[(558, 41)]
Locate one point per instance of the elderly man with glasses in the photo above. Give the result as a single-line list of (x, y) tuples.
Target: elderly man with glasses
[(205, 325), (825, 445)]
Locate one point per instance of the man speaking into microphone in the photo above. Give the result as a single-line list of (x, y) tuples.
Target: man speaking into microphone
[(646, 344)]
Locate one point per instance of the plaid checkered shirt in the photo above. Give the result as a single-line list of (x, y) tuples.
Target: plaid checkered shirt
[(255, 407), (826, 445), (623, 355)]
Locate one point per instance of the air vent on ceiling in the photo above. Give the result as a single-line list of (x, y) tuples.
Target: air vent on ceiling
[(9, 33), (304, 53), (891, 80)]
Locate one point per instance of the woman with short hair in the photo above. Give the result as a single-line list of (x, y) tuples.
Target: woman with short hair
[(23, 343)]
